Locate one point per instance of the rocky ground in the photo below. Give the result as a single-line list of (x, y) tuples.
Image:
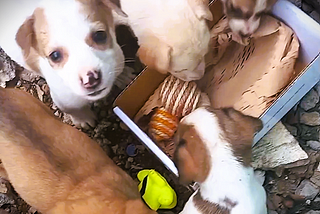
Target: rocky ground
[(292, 185)]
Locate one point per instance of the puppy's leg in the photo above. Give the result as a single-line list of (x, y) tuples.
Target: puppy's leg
[(84, 117), (77, 107)]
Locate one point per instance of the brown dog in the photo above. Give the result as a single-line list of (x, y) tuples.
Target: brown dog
[(56, 168)]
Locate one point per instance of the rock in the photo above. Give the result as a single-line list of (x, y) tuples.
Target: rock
[(316, 177), (313, 212), (260, 175), (310, 133), (307, 189), (4, 199), (29, 76), (310, 100), (292, 129), (306, 7), (315, 145), (317, 88), (310, 118), (315, 16), (296, 2), (276, 148), (7, 69)]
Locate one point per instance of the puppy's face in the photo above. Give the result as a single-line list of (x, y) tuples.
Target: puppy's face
[(181, 49), (73, 41), (244, 15), (203, 131)]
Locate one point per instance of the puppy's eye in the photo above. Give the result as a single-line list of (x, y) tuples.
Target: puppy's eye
[(99, 37), (56, 56)]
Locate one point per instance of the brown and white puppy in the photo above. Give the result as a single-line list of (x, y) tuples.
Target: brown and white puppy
[(244, 15), (56, 168), (214, 149), (173, 35), (71, 43)]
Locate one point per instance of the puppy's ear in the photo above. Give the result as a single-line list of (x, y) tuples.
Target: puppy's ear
[(26, 39), (115, 6), (191, 156), (201, 9), (154, 53)]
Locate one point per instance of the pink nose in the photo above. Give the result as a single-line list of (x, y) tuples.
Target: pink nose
[(91, 79)]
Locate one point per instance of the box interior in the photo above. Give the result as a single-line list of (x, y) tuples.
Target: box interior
[(130, 101)]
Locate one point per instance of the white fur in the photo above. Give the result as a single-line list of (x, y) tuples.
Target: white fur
[(68, 28), (227, 176), (176, 24)]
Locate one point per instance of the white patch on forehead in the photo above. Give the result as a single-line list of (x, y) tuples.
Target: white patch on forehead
[(261, 5), (66, 21), (206, 124)]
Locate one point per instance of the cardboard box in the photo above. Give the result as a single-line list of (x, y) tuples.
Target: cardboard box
[(307, 69)]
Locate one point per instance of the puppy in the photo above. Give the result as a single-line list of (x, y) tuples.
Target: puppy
[(244, 15), (173, 35), (214, 149), (71, 43), (56, 168)]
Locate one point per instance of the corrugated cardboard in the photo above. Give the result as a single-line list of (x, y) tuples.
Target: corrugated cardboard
[(307, 74)]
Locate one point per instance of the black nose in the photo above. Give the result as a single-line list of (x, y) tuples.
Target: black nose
[(91, 80)]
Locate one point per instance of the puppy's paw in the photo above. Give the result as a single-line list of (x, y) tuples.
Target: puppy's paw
[(125, 78), (86, 121)]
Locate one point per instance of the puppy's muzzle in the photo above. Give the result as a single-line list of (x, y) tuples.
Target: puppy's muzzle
[(91, 79)]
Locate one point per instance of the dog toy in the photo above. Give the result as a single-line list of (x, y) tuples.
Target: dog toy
[(155, 190), (178, 98)]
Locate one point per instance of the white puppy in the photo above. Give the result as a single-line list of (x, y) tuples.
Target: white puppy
[(173, 35), (71, 43), (214, 149)]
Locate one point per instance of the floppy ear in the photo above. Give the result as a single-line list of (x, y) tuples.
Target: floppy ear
[(115, 6), (191, 156), (201, 9), (154, 53), (26, 39)]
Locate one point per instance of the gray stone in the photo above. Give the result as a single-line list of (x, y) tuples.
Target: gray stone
[(307, 189), (310, 132), (277, 147), (315, 16), (306, 7), (310, 100), (317, 88), (315, 145), (296, 2), (316, 178), (310, 118), (7, 69), (292, 129), (313, 212)]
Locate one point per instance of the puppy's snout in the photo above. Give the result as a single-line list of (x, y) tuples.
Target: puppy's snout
[(244, 35), (91, 79)]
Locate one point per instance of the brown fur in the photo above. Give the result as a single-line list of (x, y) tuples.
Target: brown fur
[(239, 130), (207, 207), (155, 53), (191, 155), (55, 167)]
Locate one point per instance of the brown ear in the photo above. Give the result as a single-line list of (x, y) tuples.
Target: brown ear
[(191, 156), (201, 9), (270, 4), (25, 35), (115, 6), (26, 39), (155, 53)]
